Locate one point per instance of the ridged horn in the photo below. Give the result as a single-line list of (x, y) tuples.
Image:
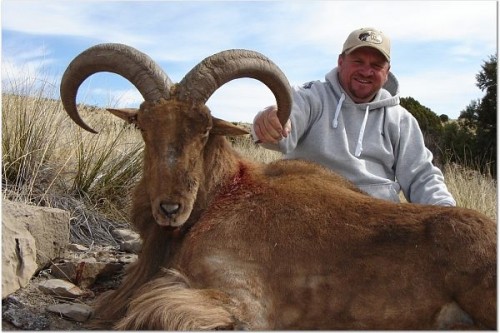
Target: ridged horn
[(214, 71), (138, 68)]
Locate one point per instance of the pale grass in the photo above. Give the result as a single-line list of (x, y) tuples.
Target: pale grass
[(472, 189), (252, 151)]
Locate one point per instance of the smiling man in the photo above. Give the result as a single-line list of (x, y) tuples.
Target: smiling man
[(353, 124)]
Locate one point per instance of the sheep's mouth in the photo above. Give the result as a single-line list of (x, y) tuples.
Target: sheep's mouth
[(170, 222)]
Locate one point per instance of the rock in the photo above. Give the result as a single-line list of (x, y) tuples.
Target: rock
[(130, 240), (49, 227), (18, 256), (60, 288), (131, 246), (21, 317), (125, 234), (77, 248), (77, 312), (84, 272)]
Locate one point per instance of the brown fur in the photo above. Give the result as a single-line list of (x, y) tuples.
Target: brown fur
[(169, 301), (289, 245)]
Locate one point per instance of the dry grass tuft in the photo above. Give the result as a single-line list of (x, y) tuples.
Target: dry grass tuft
[(49, 161)]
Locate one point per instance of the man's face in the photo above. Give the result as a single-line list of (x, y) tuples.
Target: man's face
[(362, 73)]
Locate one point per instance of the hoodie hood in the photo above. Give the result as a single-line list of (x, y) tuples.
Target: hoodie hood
[(387, 96), (392, 85)]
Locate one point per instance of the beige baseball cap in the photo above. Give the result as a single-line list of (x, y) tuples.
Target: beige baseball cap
[(368, 37)]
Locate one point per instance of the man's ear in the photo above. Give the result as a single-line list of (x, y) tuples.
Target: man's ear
[(222, 127), (128, 114)]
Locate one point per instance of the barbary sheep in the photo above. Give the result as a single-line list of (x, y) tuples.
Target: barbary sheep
[(231, 243)]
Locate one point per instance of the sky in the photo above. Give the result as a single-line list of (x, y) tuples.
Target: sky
[(438, 47)]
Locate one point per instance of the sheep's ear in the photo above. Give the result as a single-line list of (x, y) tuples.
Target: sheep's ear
[(129, 115), (222, 127)]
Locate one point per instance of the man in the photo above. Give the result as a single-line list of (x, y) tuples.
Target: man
[(353, 124)]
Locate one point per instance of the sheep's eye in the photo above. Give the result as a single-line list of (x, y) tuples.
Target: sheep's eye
[(206, 133)]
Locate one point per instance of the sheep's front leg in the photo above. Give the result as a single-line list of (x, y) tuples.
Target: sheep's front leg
[(168, 303)]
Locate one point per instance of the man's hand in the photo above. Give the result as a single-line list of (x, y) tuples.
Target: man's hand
[(267, 126)]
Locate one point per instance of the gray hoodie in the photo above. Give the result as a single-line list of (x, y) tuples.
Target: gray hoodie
[(378, 145)]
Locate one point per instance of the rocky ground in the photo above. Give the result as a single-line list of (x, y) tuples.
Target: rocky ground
[(53, 269), (60, 297)]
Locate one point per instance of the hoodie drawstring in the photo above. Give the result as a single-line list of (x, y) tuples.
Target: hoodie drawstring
[(383, 123), (337, 111), (359, 146)]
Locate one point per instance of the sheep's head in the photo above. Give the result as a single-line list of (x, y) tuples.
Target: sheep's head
[(174, 121), (175, 134)]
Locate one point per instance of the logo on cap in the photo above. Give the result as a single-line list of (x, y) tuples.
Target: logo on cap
[(371, 37)]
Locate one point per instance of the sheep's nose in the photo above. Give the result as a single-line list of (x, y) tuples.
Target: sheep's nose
[(169, 208)]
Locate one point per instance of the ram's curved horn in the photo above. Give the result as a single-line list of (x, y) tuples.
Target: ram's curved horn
[(137, 67), (210, 74)]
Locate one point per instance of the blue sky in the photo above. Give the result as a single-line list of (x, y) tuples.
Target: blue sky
[(438, 47)]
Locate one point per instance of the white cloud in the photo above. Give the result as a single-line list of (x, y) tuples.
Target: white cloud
[(323, 24), (29, 77), (58, 18), (303, 38)]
